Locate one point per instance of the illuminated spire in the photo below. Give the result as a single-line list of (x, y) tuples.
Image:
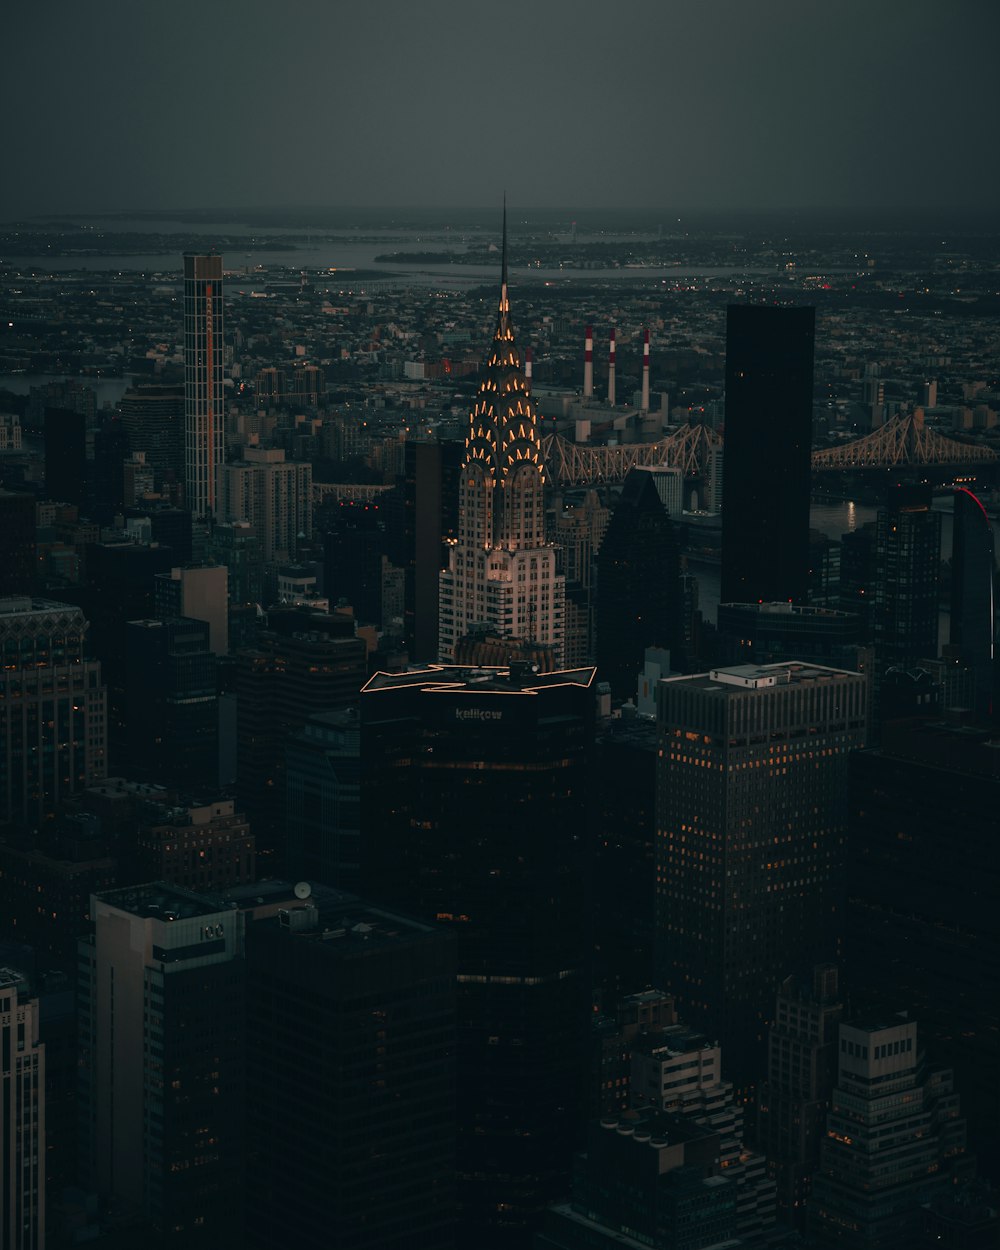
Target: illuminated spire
[(503, 424)]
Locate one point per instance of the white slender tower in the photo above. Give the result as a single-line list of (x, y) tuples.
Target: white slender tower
[(204, 436), (588, 364), (645, 372), (611, 371)]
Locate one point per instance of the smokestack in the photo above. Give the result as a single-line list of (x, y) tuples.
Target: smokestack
[(611, 371), (588, 364), (645, 373), (527, 366)]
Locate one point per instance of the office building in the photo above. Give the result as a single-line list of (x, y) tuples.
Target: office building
[(303, 663), (53, 709), (350, 1078), (751, 825), (153, 417), (973, 572), (274, 495), (22, 1116), (640, 602), (17, 543), (924, 900), (772, 633), (204, 431), (171, 703), (198, 846), (353, 547), (645, 1179), (501, 572), (907, 567), (766, 475), (476, 813), (66, 465), (801, 1068), (678, 1069), (201, 593), (894, 1140), (430, 519), (161, 1079), (323, 800)]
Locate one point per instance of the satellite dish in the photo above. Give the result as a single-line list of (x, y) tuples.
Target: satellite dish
[(303, 889)]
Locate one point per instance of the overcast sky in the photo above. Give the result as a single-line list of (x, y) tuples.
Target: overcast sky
[(120, 104)]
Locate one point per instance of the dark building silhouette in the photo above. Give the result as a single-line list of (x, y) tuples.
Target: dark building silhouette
[(350, 1079), (894, 1140), (907, 565), (923, 929), (751, 824), (53, 709), (304, 662), (646, 1178), (153, 417), (168, 526), (17, 543), (171, 707), (352, 567), (793, 1101), (766, 475), (973, 571), (430, 518), (857, 577), (66, 475), (323, 800), (107, 478), (640, 602), (770, 633), (475, 813)]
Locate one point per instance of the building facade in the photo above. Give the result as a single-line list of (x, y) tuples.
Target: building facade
[(750, 846), (274, 495), (204, 429), (22, 1117), (53, 709)]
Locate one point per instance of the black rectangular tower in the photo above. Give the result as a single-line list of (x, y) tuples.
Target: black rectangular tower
[(765, 492)]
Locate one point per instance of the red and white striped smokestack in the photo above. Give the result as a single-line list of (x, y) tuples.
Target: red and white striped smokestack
[(527, 366), (588, 363), (645, 373), (611, 371)]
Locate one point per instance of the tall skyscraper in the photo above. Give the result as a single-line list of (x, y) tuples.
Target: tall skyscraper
[(66, 467), (17, 543), (765, 514), (502, 573), (476, 813), (430, 518), (53, 709), (973, 573), (640, 601), (751, 824), (161, 1073), (153, 417), (22, 1117), (350, 1078), (907, 559), (204, 435)]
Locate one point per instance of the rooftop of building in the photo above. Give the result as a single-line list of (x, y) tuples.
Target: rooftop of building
[(798, 610), (671, 1040), (515, 678), (738, 678), (26, 605), (160, 901), (12, 979)]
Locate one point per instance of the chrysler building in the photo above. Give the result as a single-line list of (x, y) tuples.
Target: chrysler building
[(502, 574)]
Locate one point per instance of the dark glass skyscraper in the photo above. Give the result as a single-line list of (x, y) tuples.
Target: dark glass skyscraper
[(907, 558), (765, 496), (204, 436), (973, 566), (640, 602), (475, 813)]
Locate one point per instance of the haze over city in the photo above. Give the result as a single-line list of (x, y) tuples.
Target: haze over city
[(114, 106)]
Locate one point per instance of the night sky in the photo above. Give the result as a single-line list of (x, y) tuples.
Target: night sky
[(122, 104)]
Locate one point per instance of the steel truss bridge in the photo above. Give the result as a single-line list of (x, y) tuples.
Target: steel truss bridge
[(903, 441)]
